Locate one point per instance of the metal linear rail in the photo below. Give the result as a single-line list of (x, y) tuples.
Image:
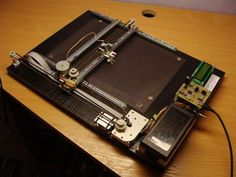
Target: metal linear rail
[(124, 37), (104, 94), (140, 33), (89, 68), (77, 53), (157, 41), (99, 59), (97, 102)]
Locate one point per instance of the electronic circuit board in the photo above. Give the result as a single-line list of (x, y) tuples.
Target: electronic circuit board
[(138, 90)]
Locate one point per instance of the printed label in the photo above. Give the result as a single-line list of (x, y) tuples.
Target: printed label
[(163, 145), (212, 81)]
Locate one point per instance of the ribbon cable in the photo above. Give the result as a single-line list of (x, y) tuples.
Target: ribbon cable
[(38, 62)]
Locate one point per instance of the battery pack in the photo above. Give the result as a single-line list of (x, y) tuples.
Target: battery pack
[(167, 134)]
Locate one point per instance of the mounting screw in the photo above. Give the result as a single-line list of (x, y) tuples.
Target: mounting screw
[(179, 59), (150, 98), (120, 125), (73, 72)]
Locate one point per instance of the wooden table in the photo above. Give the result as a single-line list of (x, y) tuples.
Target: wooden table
[(207, 36)]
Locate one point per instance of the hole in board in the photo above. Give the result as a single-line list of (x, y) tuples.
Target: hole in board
[(149, 13)]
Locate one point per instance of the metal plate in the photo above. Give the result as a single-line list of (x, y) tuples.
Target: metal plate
[(138, 123)]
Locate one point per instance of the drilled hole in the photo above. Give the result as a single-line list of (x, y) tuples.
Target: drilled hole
[(149, 13)]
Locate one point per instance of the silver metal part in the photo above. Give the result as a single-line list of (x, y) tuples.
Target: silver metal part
[(99, 59), (104, 121), (124, 37), (130, 24), (104, 94), (142, 34), (89, 68), (97, 102), (104, 17), (150, 98), (74, 72), (92, 41), (107, 51), (138, 123), (120, 125), (62, 66), (156, 40), (15, 58), (179, 58)]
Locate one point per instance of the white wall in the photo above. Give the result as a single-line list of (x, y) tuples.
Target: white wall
[(225, 6)]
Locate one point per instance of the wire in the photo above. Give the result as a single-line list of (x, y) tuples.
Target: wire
[(94, 34), (80, 40), (208, 108)]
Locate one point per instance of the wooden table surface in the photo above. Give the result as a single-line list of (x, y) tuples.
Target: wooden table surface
[(207, 36)]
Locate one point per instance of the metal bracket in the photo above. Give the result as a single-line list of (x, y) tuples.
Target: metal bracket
[(107, 51), (104, 121), (16, 58), (130, 133)]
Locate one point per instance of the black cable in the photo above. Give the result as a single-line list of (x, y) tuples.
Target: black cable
[(208, 108)]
